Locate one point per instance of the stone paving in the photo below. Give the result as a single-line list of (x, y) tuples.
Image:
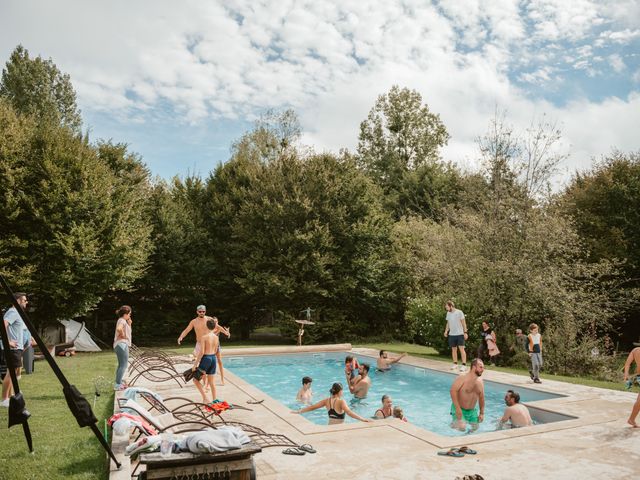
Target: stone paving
[(596, 444)]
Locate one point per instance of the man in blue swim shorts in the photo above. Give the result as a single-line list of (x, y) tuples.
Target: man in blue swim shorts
[(205, 361)]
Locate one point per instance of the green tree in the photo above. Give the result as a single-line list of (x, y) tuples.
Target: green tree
[(74, 228), (34, 86), (603, 204), (510, 260), (398, 147)]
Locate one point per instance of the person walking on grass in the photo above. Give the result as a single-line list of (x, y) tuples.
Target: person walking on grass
[(121, 343), (205, 362), (456, 332), (336, 407), (535, 352), (12, 322), (634, 356)]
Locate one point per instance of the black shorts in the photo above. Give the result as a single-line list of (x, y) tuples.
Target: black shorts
[(16, 356), (456, 341)]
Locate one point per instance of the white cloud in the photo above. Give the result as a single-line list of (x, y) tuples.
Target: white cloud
[(330, 60)]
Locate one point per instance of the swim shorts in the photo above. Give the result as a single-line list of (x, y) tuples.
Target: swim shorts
[(470, 415), (208, 364)]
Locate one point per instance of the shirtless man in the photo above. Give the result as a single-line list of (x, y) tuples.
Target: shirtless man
[(384, 362), (361, 384), (206, 360), (467, 391), (199, 325), (515, 412), (634, 356)]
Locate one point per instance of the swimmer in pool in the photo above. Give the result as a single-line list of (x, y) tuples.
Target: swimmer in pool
[(305, 393), (336, 407)]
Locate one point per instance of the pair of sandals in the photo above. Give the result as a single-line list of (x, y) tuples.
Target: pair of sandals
[(477, 476), (457, 452), (300, 450)]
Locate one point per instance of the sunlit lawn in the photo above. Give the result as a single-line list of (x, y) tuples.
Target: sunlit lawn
[(61, 448)]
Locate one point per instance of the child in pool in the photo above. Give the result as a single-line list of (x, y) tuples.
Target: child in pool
[(398, 413), (351, 367), (305, 393)]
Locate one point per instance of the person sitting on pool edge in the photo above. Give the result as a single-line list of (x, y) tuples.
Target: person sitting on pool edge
[(335, 405), (515, 413), (384, 362), (398, 413), (387, 408), (361, 384), (305, 393)]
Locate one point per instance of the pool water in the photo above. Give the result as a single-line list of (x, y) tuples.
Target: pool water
[(423, 394)]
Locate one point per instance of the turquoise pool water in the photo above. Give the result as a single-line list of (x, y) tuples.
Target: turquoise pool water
[(423, 394)]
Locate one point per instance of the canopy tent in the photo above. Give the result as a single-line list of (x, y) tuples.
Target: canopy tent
[(70, 331)]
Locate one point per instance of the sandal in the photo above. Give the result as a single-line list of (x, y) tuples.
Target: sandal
[(453, 452), (292, 451), (305, 447), (467, 450)]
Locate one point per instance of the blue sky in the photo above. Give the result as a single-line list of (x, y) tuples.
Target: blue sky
[(180, 81)]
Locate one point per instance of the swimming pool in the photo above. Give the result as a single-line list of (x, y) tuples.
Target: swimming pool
[(422, 393)]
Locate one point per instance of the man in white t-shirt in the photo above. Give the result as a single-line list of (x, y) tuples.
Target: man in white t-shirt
[(456, 332)]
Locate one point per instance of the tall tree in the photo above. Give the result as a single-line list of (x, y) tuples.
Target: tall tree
[(398, 147), (75, 229), (36, 87)]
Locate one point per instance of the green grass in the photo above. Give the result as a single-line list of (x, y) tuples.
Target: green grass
[(61, 448), (431, 353)]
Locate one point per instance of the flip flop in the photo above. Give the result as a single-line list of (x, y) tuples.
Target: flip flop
[(467, 450), (453, 452), (307, 448), (255, 402), (292, 451)]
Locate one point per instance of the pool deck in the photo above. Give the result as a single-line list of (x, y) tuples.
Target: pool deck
[(598, 443)]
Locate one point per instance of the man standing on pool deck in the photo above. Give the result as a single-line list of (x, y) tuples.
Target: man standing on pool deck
[(199, 325), (634, 356), (456, 331), (466, 391), (205, 362)]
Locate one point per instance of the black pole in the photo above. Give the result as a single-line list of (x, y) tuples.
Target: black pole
[(79, 406)]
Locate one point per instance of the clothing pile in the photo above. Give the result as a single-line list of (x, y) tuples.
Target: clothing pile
[(218, 406), (209, 440), (122, 422)]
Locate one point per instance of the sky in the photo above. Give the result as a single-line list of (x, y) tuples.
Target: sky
[(180, 81)]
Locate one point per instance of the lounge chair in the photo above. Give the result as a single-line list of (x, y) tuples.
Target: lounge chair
[(168, 422), (188, 411)]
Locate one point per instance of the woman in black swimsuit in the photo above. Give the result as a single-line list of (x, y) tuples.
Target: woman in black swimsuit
[(335, 405)]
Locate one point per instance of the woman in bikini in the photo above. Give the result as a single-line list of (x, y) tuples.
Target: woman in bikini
[(336, 407)]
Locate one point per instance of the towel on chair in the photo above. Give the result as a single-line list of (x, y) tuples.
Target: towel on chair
[(216, 440)]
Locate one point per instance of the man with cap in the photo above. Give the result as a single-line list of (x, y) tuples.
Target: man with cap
[(199, 325)]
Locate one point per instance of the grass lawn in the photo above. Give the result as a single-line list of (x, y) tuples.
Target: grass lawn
[(61, 448), (428, 352)]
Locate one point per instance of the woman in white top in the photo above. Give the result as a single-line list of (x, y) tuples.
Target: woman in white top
[(122, 342)]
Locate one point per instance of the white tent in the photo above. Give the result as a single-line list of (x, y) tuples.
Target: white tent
[(77, 333)]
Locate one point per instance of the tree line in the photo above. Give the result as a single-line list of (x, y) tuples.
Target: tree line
[(373, 240)]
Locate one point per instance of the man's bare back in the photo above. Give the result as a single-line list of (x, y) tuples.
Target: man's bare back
[(634, 356), (209, 343), (518, 414)]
